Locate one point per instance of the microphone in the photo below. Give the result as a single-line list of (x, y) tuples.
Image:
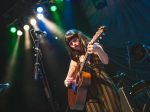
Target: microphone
[(37, 33), (43, 33)]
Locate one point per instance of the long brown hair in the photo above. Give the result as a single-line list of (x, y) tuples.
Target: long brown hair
[(83, 39)]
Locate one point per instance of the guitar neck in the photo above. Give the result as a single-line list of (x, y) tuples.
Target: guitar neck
[(82, 65), (86, 55), (94, 39)]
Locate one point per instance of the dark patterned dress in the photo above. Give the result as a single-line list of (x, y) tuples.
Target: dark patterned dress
[(102, 94)]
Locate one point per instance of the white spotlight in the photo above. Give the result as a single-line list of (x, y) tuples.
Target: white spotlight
[(33, 21), (39, 9), (56, 37), (26, 27), (40, 16), (19, 33)]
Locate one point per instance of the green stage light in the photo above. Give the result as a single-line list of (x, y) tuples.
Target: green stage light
[(53, 8), (13, 29), (59, 0)]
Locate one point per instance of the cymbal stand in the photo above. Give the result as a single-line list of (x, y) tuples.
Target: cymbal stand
[(129, 58)]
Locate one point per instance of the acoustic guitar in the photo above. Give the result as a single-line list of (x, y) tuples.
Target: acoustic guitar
[(77, 93)]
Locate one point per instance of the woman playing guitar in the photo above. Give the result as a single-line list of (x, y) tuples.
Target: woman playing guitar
[(89, 87)]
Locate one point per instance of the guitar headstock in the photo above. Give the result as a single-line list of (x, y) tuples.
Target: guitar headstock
[(99, 33)]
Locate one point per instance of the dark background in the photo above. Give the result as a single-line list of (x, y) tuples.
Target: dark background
[(127, 42)]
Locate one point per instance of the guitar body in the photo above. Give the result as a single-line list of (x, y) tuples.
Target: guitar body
[(78, 93)]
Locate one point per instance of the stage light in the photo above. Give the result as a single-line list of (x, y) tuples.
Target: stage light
[(53, 8), (39, 9), (59, 0), (33, 22), (56, 37), (19, 33), (13, 29), (26, 27), (40, 16)]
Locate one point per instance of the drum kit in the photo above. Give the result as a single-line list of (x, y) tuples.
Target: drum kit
[(138, 97), (140, 91), (138, 53), (142, 88)]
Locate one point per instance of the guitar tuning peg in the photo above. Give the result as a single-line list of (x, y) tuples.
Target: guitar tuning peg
[(102, 27)]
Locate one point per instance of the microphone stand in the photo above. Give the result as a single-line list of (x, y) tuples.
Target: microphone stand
[(39, 71)]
